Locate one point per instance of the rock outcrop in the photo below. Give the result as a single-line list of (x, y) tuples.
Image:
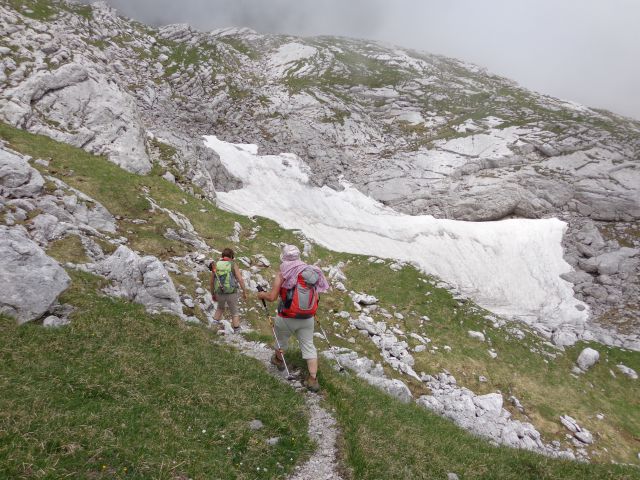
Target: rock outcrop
[(142, 280), (76, 105), (31, 280), (17, 178)]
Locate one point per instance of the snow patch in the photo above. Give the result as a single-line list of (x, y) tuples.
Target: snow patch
[(511, 267)]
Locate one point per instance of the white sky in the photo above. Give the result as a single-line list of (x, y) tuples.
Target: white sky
[(582, 50)]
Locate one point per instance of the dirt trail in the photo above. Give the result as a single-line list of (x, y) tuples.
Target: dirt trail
[(323, 463)]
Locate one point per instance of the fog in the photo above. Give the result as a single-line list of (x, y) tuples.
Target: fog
[(582, 50)]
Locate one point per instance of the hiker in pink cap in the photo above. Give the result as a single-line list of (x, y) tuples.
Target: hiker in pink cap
[(296, 288)]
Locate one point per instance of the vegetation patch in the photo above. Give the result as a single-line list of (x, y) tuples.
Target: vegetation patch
[(68, 249), (385, 439), (122, 394)]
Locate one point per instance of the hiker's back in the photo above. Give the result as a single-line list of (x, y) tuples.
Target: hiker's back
[(300, 301), (225, 279)]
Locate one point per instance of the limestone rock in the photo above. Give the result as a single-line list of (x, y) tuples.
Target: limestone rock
[(17, 178), (629, 372), (255, 425), (587, 359), (109, 124), (476, 335), (31, 280), (364, 299), (142, 280), (169, 177), (490, 403), (563, 338), (54, 322)]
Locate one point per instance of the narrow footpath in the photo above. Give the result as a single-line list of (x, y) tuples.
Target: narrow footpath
[(323, 463)]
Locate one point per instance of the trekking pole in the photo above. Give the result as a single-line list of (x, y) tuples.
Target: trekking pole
[(273, 329), (335, 355)]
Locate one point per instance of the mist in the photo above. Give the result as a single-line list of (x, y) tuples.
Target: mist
[(587, 51)]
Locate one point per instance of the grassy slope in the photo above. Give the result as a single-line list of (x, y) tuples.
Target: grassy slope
[(386, 440), (122, 394), (546, 389)]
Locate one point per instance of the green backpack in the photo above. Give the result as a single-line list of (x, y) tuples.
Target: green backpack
[(225, 281)]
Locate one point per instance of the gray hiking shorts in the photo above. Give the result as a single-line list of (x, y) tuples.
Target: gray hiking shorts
[(228, 300), (302, 329)]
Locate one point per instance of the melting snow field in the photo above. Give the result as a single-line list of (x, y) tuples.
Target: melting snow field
[(510, 267)]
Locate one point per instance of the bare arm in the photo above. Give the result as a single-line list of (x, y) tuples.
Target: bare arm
[(275, 290), (212, 282)]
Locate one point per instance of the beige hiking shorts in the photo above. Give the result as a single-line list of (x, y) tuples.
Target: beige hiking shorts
[(302, 329), (228, 300)]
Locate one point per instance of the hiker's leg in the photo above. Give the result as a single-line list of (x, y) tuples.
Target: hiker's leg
[(283, 332), (220, 310), (233, 309), (312, 365), (304, 332)]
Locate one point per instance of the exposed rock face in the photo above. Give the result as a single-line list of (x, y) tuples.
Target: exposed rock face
[(31, 281), (79, 106), (66, 211), (142, 280), (483, 415), (371, 373), (17, 178)]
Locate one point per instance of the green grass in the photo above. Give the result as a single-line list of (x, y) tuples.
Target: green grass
[(122, 394), (385, 439), (544, 385), (68, 249), (47, 9), (38, 9)]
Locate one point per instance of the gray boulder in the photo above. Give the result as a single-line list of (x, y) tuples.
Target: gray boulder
[(564, 338), (620, 261), (55, 322), (587, 359), (17, 178), (629, 372), (31, 281), (490, 403), (142, 280), (393, 387), (476, 335)]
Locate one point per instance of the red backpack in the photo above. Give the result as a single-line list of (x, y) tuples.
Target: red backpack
[(300, 301)]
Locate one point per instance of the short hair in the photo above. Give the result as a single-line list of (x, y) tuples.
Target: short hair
[(227, 252)]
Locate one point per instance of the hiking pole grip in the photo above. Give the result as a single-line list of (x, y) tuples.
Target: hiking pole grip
[(261, 289)]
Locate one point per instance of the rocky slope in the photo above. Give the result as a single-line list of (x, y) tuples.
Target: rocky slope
[(150, 242), (421, 133)]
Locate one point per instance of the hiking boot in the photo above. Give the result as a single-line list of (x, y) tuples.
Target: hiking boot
[(278, 362), (312, 384)]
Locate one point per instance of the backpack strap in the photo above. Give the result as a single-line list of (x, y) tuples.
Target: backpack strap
[(216, 277)]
